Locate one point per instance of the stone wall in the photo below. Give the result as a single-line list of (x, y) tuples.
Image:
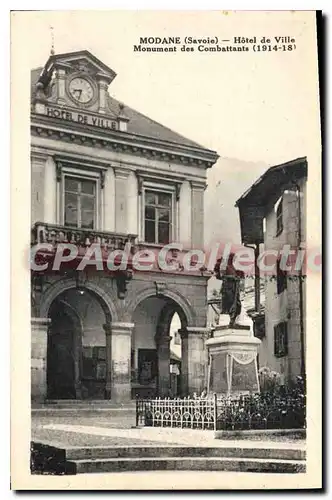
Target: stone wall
[(286, 305)]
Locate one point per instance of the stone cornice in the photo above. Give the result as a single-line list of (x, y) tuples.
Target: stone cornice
[(38, 156), (123, 142), (172, 177), (79, 162), (174, 180), (120, 172), (198, 185)]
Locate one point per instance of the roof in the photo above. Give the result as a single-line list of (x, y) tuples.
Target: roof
[(268, 188), (138, 123)]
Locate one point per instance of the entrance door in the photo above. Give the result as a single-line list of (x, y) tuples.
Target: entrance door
[(61, 357)]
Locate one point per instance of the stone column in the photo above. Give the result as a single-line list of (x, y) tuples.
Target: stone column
[(163, 347), (121, 356), (39, 329), (108, 387), (193, 359)]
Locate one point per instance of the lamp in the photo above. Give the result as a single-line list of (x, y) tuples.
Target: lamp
[(122, 279)]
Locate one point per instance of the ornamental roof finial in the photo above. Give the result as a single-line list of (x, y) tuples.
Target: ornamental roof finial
[(52, 41)]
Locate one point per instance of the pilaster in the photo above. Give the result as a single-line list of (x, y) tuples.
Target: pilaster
[(102, 85), (38, 180), (197, 214), (39, 330), (61, 84), (121, 202)]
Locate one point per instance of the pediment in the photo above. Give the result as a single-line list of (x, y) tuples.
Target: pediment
[(82, 61)]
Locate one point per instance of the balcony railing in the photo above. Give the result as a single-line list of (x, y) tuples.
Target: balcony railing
[(55, 234), (155, 258)]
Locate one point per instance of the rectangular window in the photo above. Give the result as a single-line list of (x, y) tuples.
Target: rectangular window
[(79, 202), (281, 278), (157, 217), (280, 340), (259, 326), (279, 215)]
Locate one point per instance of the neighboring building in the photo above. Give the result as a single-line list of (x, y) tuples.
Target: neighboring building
[(272, 215), (103, 173)]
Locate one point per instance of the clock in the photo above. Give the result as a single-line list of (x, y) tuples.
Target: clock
[(81, 90)]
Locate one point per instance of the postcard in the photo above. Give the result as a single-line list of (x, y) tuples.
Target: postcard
[(166, 250)]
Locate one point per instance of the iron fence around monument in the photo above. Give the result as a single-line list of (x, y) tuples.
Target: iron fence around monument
[(190, 413), (244, 412)]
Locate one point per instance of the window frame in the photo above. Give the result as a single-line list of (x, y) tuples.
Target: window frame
[(159, 188), (80, 175), (281, 332), (281, 278), (78, 195)]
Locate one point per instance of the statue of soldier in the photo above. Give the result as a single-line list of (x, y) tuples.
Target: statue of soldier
[(230, 288)]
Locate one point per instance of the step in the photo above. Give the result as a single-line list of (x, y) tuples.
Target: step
[(85, 404), (76, 402), (187, 464), (182, 451), (83, 411)]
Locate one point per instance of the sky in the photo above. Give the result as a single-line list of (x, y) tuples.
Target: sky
[(254, 109)]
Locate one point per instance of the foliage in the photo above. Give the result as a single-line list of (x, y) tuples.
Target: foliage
[(268, 379), (279, 407)]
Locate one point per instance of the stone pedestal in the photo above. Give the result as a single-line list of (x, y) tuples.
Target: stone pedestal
[(39, 329), (121, 356), (233, 360), (193, 360), (164, 366)]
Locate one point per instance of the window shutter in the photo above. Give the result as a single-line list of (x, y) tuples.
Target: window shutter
[(281, 340)]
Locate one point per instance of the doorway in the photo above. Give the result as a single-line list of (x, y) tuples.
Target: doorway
[(76, 351), (61, 356)]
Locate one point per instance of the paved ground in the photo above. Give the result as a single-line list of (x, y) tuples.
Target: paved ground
[(175, 480), (116, 428)]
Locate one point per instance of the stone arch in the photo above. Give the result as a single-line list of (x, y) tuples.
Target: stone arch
[(165, 319), (60, 286), (180, 300), (76, 345), (71, 311)]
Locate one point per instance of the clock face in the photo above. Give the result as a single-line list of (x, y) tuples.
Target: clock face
[(81, 90)]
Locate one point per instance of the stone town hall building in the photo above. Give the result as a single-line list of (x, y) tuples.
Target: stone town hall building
[(103, 173)]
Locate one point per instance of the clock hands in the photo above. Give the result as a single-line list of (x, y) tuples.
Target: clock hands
[(79, 92)]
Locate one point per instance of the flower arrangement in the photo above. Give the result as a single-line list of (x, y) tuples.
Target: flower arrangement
[(268, 379), (276, 407)]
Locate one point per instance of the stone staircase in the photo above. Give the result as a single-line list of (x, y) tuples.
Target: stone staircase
[(68, 407), (78, 460)]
